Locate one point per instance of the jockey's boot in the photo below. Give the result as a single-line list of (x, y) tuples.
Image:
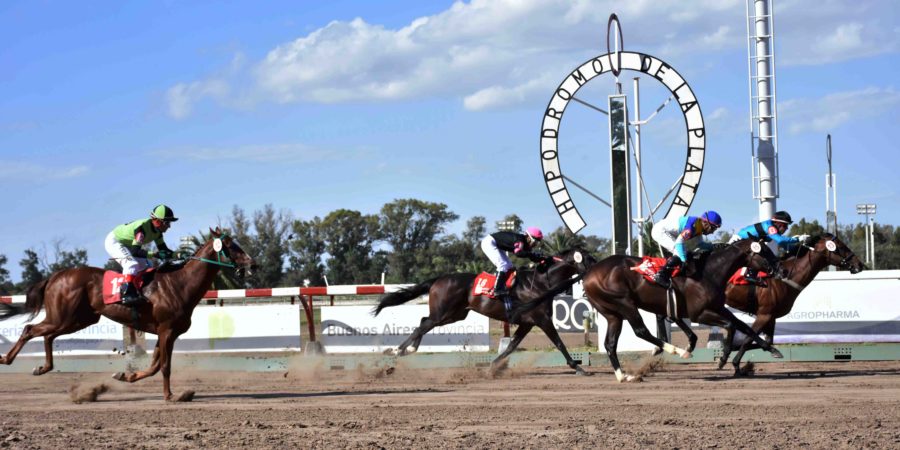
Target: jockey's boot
[(664, 276), (500, 289), (129, 293)]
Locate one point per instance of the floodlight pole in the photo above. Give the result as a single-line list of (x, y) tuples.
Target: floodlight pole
[(637, 161), (869, 209)]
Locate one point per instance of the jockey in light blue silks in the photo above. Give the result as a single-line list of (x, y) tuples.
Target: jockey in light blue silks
[(772, 229), (681, 235)]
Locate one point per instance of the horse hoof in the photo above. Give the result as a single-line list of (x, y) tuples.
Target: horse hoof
[(120, 376), (685, 354), (389, 352), (37, 371), (655, 351), (582, 372), (776, 354), (721, 364)]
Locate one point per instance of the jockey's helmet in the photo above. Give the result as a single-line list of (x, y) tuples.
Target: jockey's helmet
[(783, 217), (713, 218), (163, 212), (535, 233)]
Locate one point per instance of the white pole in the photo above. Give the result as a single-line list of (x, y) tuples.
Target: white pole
[(872, 234), (766, 146), (637, 160)]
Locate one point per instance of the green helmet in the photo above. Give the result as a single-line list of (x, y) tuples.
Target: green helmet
[(163, 212)]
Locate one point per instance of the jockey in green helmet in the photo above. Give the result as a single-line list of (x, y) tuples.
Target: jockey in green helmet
[(124, 244)]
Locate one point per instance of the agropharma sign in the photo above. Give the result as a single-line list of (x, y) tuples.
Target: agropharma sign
[(652, 66)]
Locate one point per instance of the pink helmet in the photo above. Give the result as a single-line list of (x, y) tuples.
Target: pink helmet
[(535, 233)]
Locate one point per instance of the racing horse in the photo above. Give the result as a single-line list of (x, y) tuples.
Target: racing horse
[(450, 298), (617, 291), (776, 299), (73, 300)]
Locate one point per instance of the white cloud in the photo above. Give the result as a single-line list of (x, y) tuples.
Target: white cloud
[(499, 53), (274, 153), (18, 170), (827, 113), (182, 97)]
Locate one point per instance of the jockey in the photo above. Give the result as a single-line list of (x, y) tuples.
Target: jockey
[(680, 234), (124, 244), (772, 229), (496, 245)]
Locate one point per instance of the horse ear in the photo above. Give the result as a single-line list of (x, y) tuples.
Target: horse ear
[(214, 233)]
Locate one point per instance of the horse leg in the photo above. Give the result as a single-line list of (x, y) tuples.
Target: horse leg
[(660, 332), (613, 330), (136, 376), (28, 333), (641, 331), (166, 345), (762, 323), (546, 325), (727, 344), (416, 337), (520, 334), (692, 337), (750, 332), (86, 321)]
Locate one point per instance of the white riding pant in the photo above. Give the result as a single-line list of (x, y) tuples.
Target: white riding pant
[(497, 256), (665, 232), (131, 265)]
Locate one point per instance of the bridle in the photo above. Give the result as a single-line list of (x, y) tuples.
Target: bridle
[(224, 251), (845, 260)]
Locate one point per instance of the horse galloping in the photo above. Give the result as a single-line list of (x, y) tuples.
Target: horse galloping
[(73, 300), (450, 299), (776, 299), (617, 292)]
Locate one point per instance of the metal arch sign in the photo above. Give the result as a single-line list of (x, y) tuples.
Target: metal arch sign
[(639, 62)]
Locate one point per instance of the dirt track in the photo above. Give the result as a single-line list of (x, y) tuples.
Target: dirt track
[(835, 405)]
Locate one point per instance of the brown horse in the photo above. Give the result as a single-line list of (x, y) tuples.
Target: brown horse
[(73, 300), (450, 299), (617, 292), (777, 298)]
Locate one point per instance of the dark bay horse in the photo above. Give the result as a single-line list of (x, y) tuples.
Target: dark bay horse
[(450, 299), (777, 298), (617, 292), (73, 300)]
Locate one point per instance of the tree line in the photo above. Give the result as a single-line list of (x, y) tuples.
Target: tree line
[(406, 241)]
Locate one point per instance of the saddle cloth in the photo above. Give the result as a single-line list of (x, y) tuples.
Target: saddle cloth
[(112, 284), (484, 284), (738, 277), (650, 265)]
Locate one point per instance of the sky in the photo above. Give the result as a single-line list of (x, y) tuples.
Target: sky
[(110, 108)]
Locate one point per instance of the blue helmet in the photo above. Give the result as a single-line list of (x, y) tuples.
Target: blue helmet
[(713, 218)]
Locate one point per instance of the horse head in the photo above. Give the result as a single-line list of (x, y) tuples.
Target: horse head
[(221, 244), (836, 252)]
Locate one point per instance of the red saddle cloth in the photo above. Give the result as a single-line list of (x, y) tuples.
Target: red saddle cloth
[(484, 284), (650, 265), (739, 279), (112, 285)]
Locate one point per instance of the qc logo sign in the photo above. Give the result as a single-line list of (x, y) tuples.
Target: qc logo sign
[(568, 314)]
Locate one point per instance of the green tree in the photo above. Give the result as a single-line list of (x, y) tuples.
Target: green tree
[(31, 270), (802, 226), (409, 226), (307, 246), (562, 239), (263, 238), (349, 238), (6, 285)]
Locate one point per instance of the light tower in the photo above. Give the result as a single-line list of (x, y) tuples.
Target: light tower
[(763, 111)]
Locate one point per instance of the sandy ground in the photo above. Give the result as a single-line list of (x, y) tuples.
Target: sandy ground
[(833, 405)]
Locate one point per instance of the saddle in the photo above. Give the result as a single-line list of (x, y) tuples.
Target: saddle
[(650, 265), (484, 284), (112, 283)]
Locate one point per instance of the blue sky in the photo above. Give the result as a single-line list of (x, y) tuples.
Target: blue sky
[(109, 108)]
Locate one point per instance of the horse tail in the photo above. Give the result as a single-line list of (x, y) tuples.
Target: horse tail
[(34, 301), (525, 307), (403, 295)]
